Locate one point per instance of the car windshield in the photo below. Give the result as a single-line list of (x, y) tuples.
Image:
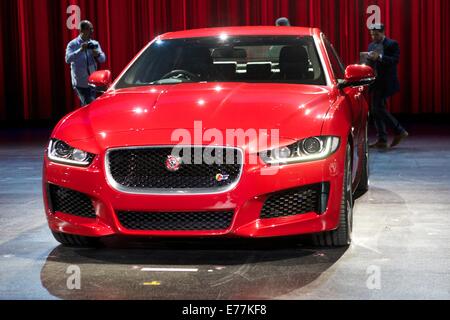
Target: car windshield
[(280, 59)]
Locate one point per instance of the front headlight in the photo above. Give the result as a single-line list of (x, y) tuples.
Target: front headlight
[(59, 151), (310, 149)]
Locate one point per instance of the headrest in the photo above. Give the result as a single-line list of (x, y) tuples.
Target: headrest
[(199, 55), (294, 54), (294, 62), (226, 71), (229, 53), (240, 54), (259, 71)]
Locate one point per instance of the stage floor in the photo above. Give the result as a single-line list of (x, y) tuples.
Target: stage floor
[(401, 247)]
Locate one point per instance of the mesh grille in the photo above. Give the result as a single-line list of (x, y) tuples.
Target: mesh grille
[(292, 202), (70, 202), (214, 220), (145, 168)]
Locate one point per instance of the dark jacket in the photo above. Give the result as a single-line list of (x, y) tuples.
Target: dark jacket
[(387, 82)]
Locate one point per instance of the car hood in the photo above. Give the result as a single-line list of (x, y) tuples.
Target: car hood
[(295, 110)]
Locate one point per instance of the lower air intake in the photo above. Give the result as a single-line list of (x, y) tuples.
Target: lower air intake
[(71, 202), (159, 221), (312, 198)]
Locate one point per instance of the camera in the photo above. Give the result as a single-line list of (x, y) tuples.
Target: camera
[(91, 45)]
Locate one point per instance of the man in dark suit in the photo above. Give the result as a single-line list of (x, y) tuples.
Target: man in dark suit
[(384, 55)]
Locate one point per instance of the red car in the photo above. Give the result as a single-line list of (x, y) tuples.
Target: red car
[(235, 132)]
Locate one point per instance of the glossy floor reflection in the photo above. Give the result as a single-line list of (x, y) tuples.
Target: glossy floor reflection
[(400, 250), (187, 269)]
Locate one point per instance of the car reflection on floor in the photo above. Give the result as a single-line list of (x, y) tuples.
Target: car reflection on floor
[(180, 269)]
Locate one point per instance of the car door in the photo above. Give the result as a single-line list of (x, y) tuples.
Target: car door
[(353, 96)]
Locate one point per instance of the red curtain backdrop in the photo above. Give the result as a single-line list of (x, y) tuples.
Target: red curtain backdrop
[(35, 81)]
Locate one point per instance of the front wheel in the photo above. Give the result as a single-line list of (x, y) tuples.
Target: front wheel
[(342, 236)]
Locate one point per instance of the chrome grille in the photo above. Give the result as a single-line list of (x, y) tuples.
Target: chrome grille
[(202, 169)]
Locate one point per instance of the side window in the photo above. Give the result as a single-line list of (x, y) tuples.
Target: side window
[(336, 64)]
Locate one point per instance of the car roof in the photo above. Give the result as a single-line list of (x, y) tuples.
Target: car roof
[(241, 31)]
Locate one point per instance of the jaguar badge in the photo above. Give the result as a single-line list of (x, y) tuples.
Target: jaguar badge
[(173, 163)]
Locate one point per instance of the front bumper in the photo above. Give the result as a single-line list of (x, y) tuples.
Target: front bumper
[(246, 201)]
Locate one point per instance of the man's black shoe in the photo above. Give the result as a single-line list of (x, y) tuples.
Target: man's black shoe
[(398, 138), (379, 145)]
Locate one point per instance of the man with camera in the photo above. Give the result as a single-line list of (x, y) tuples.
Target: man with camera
[(384, 56), (83, 54)]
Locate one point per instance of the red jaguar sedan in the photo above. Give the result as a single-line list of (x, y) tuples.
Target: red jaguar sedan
[(221, 132)]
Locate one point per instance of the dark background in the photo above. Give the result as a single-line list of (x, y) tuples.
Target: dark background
[(35, 81)]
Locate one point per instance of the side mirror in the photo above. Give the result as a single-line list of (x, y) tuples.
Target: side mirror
[(100, 80), (357, 75)]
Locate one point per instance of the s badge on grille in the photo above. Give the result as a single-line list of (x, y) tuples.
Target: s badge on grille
[(222, 177), (173, 163)]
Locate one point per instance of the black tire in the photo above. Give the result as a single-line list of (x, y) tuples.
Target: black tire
[(342, 236), (72, 240), (363, 185)]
